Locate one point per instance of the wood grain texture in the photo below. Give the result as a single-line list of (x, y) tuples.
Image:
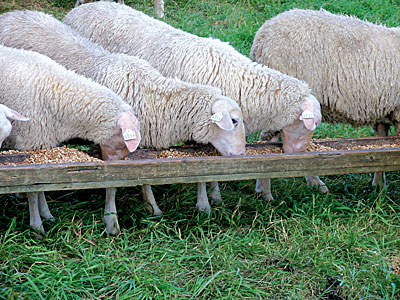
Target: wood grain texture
[(24, 178)]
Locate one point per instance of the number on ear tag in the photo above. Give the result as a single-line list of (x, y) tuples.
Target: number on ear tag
[(129, 134), (215, 118), (307, 115)]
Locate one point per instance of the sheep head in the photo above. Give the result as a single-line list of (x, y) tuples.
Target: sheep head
[(230, 134), (297, 135)]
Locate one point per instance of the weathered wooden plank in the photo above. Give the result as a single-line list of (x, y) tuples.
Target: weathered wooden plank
[(340, 144), (167, 171)]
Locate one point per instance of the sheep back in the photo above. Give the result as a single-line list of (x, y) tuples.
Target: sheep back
[(269, 99), (352, 66), (60, 104)]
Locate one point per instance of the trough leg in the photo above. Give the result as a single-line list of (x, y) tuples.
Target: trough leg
[(43, 208), (110, 212), (34, 215), (202, 200), (151, 204), (379, 177), (215, 192)]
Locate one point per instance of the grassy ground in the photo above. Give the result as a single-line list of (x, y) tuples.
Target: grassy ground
[(301, 245)]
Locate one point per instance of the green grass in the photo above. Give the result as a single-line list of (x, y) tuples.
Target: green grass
[(301, 245)]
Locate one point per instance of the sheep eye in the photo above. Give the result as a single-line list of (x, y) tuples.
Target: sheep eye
[(235, 122)]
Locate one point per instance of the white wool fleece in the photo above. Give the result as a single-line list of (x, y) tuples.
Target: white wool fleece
[(352, 66), (169, 110), (60, 104), (269, 99)]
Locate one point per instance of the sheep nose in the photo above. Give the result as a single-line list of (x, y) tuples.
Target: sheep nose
[(236, 152)]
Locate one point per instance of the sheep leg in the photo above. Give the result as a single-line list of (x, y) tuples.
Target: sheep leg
[(44, 210), (79, 2), (34, 217), (110, 212), (159, 4), (202, 200), (315, 181), (151, 204), (264, 185), (396, 129), (215, 192), (379, 177)]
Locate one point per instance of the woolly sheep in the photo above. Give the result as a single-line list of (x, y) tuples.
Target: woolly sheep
[(61, 105), (269, 99), (351, 65), (170, 110), (6, 115), (158, 4)]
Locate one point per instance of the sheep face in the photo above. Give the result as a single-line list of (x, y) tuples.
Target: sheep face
[(230, 134), (126, 138), (7, 114), (297, 135)]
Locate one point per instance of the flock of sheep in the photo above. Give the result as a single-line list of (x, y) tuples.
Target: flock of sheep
[(108, 68)]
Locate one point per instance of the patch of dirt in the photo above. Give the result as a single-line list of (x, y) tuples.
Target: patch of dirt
[(332, 290), (282, 264), (395, 263)]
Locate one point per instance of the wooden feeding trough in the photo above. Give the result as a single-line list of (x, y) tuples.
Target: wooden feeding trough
[(143, 166)]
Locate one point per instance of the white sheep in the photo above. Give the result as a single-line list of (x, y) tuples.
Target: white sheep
[(62, 105), (6, 115), (170, 111), (269, 99), (351, 65), (158, 4)]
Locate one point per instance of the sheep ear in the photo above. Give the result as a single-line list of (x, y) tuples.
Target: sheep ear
[(307, 115), (12, 114), (129, 127), (221, 115)]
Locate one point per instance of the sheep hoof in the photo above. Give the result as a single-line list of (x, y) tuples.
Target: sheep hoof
[(49, 217), (379, 180), (38, 232), (204, 208), (323, 189), (38, 235), (267, 196), (153, 210), (216, 196), (264, 186), (112, 225)]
